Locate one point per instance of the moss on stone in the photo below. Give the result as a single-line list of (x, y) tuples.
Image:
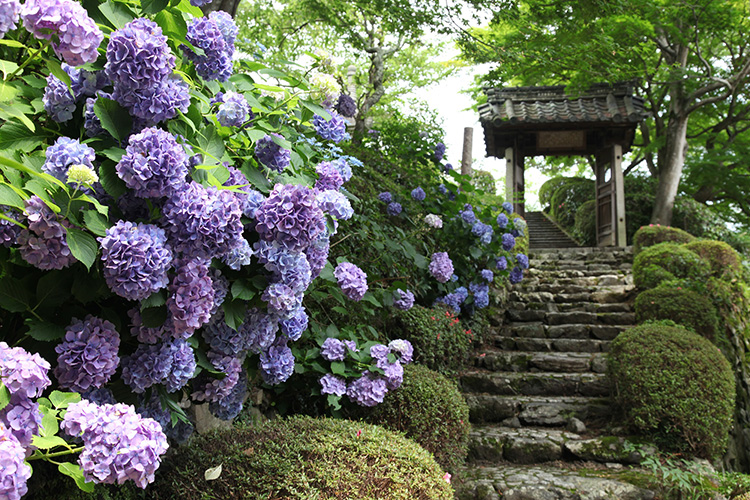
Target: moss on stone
[(683, 306), (665, 262), (722, 258), (648, 236)]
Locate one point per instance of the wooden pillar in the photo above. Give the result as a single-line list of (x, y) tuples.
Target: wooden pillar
[(466, 154), (610, 198), (514, 180), (619, 206)]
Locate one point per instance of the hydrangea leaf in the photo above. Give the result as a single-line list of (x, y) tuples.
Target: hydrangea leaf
[(153, 6), (241, 290), (14, 297), (110, 181), (4, 395), (114, 118), (338, 368), (318, 110), (96, 222), (75, 471), (9, 197), (63, 399), (47, 442), (82, 245), (15, 136), (44, 331), (49, 425), (117, 13)]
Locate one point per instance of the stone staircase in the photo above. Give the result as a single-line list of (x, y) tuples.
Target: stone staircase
[(538, 395), (543, 233)]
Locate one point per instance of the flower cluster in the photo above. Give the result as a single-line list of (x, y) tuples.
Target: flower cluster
[(64, 153), (14, 471), (333, 129), (290, 216), (216, 61), (276, 363), (346, 106), (481, 295), (191, 297), (418, 194), (9, 10), (508, 242), (484, 231), (394, 208), (403, 300), (88, 357), (441, 266), (352, 280), (335, 204), (433, 220), (329, 177), (44, 243), (234, 111), (324, 89), (439, 151), (271, 154)]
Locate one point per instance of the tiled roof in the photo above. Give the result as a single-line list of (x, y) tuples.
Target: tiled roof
[(509, 106)]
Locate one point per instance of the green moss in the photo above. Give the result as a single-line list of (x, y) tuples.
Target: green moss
[(722, 258), (665, 262), (648, 236), (429, 409), (302, 457), (684, 307), (674, 386)]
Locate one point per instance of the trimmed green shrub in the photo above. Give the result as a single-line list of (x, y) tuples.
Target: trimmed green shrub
[(673, 386), (721, 257), (568, 198), (585, 224), (667, 261), (549, 187), (685, 307), (483, 180), (651, 235), (439, 341), (302, 457), (429, 409)]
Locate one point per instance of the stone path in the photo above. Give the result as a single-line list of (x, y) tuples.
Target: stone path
[(538, 397)]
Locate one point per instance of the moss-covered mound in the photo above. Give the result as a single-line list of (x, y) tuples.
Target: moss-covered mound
[(673, 386), (685, 307), (722, 258), (302, 457), (665, 262), (429, 409), (648, 236), (439, 341)]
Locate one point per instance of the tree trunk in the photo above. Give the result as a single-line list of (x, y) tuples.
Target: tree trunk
[(670, 168), (376, 84), (228, 6)]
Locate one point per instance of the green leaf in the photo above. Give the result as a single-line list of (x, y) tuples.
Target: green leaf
[(13, 296), (318, 110), (114, 154), (241, 290), (82, 245), (475, 252), (110, 181), (9, 197), (7, 67), (75, 471), (44, 331), (49, 423), (14, 136), (156, 299), (47, 442), (153, 6), (19, 113), (63, 399), (154, 317), (96, 222), (117, 13), (256, 177), (115, 119), (186, 6), (211, 143), (12, 43), (170, 23), (4, 395), (270, 88), (234, 313), (338, 368)]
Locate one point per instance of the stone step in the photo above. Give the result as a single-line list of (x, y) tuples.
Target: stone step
[(547, 274), (539, 330), (547, 482), (551, 345), (535, 383), (571, 317), (520, 311), (544, 411), (529, 445), (529, 361), (611, 296), (614, 279)]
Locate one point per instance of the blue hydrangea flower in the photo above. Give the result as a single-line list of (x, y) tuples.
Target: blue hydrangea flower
[(522, 261), (403, 300), (439, 151), (502, 220), (501, 263), (516, 275), (23, 373), (520, 225), (368, 390), (100, 396), (468, 215), (394, 375), (144, 334), (260, 329), (332, 384), (447, 167), (216, 61), (281, 299), (335, 204), (295, 324), (150, 364), (191, 297), (418, 194), (59, 101), (221, 288), (228, 28), (271, 154), (276, 363), (44, 244), (481, 295), (508, 242), (344, 168), (290, 216), (385, 197), (9, 231), (183, 365), (394, 208), (329, 177), (441, 266), (333, 349), (212, 389), (234, 111), (487, 275), (136, 259), (64, 153), (317, 253), (157, 103), (224, 339), (352, 280), (331, 130), (287, 267), (443, 189), (454, 299), (9, 10), (88, 357), (508, 207), (239, 255), (484, 231), (346, 106), (228, 407)]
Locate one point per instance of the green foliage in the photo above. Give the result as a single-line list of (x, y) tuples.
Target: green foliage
[(685, 307), (650, 235), (548, 189), (483, 181), (585, 224), (722, 258), (429, 409), (675, 386), (302, 457), (439, 340), (567, 198), (667, 261)]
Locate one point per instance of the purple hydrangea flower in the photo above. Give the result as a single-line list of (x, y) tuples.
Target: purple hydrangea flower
[(23, 418), (317, 253), (138, 58), (352, 280), (380, 352), (487, 275), (64, 153), (393, 208), (522, 261), (87, 358), (14, 471), (203, 222), (403, 300), (144, 334), (158, 103), (228, 407), (118, 443), (214, 390), (335, 204), (260, 329), (403, 348), (502, 220), (239, 255), (271, 154), (23, 373), (136, 259), (368, 390), (147, 366), (329, 177), (59, 101), (9, 10), (385, 197), (333, 349), (344, 168), (346, 106), (276, 363), (331, 384), (287, 267), (508, 241), (330, 130), (290, 216), (508, 207), (92, 125), (224, 339), (501, 263), (77, 37), (418, 194), (443, 189), (441, 267), (191, 297), (44, 243), (154, 164), (100, 396), (468, 215), (447, 167), (293, 326), (439, 151), (282, 300), (216, 61), (200, 3), (234, 111), (481, 295), (9, 231), (516, 275), (394, 375), (484, 231), (225, 22), (183, 365)]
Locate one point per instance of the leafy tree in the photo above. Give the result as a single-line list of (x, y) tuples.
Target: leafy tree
[(688, 58)]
